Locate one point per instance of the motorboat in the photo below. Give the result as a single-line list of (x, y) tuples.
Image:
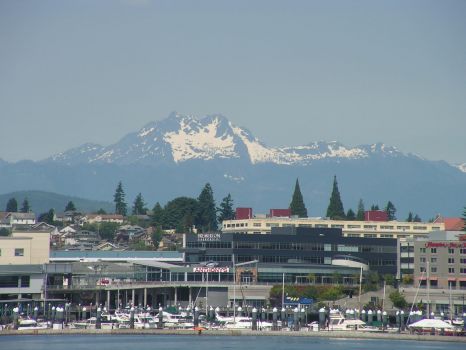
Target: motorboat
[(28, 324), (338, 322), (246, 323)]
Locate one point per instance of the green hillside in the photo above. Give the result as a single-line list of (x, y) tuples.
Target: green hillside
[(41, 202)]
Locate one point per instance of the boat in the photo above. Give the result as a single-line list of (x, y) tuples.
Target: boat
[(246, 323), (28, 324)]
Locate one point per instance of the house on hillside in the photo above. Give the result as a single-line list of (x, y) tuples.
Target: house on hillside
[(82, 240), (10, 219), (98, 218)]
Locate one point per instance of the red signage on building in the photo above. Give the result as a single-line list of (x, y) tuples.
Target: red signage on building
[(445, 245), (211, 269)]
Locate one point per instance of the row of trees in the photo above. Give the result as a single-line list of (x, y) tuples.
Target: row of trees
[(181, 213), (12, 206), (335, 210)]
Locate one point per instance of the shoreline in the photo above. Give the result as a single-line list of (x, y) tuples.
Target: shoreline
[(319, 334)]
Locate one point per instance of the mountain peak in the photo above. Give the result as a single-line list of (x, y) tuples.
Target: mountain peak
[(180, 138)]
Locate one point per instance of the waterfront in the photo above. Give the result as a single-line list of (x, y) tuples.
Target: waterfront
[(194, 342)]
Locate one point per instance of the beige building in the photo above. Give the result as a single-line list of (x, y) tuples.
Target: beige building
[(25, 247), (368, 229)]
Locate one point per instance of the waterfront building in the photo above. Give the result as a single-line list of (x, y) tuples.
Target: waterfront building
[(362, 229)]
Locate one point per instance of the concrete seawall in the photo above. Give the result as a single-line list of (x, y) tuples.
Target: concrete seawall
[(322, 334)]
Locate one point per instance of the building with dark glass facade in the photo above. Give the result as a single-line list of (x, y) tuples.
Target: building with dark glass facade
[(298, 250)]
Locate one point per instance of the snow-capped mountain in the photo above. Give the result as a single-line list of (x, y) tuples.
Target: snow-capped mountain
[(181, 138), (176, 156)]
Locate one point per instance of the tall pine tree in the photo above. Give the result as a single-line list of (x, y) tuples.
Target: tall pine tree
[(206, 218), (361, 210), (464, 219), (390, 210), (225, 210), (410, 217), (157, 215), (119, 199), (25, 207), (70, 206), (297, 206), (12, 205), (139, 207), (335, 209)]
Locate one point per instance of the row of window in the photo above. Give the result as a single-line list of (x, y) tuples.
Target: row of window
[(18, 252), (434, 269), (349, 226), (450, 250)]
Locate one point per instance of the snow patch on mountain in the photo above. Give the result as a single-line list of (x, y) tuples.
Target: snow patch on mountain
[(194, 140), (462, 167)]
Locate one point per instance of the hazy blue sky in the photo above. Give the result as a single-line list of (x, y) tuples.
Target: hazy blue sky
[(290, 71)]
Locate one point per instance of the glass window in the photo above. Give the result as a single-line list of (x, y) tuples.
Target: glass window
[(433, 269), (451, 260), (422, 259), (451, 270), (433, 260), (433, 250), (423, 250), (19, 252), (451, 251), (422, 269)]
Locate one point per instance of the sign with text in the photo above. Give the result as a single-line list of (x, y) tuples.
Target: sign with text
[(211, 269), (208, 237), (445, 245)]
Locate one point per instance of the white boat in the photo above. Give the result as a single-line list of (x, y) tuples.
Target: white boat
[(246, 323), (28, 324), (338, 322)]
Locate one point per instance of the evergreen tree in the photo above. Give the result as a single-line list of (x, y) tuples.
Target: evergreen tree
[(101, 212), (464, 219), (335, 209), (391, 211), (179, 212), (12, 205), (361, 210), (157, 215), (375, 207), (70, 206), (350, 215), (119, 199), (47, 217), (297, 204), (25, 207), (139, 207), (410, 217), (206, 218), (417, 218), (225, 209)]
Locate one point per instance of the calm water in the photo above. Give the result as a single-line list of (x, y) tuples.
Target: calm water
[(169, 342)]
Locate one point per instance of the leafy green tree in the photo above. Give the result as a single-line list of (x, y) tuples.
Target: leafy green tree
[(410, 217), (157, 215), (206, 218), (398, 299), (297, 203), (391, 211), (101, 212), (389, 279), (4, 232), (12, 205), (70, 206), (350, 215), (157, 237), (25, 207), (119, 199), (361, 210), (107, 230), (47, 217), (225, 210), (176, 211), (139, 207), (417, 218), (372, 281), (335, 209)]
